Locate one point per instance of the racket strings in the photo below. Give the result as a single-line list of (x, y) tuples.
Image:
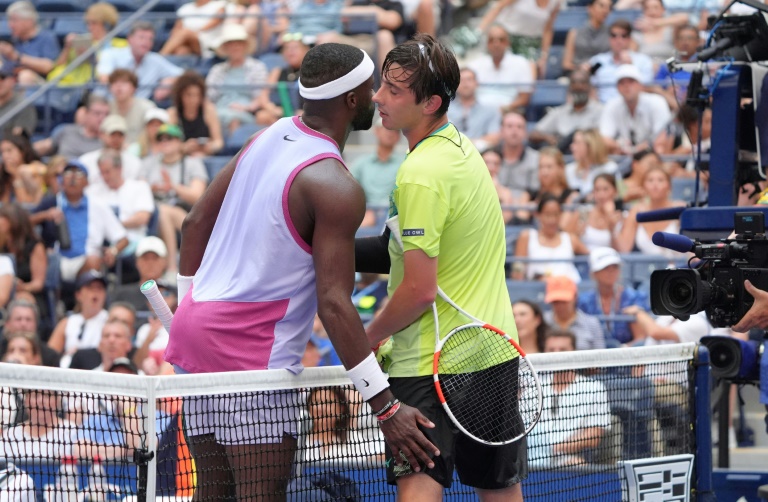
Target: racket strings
[(490, 390)]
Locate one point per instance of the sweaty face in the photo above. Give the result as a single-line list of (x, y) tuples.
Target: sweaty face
[(363, 120)]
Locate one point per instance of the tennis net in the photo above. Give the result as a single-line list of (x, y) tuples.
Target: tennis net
[(74, 435)]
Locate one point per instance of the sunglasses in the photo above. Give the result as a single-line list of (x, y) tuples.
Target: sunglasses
[(293, 37), (70, 173), (619, 35)]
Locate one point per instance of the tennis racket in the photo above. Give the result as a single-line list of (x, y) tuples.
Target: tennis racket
[(483, 379), (156, 300)]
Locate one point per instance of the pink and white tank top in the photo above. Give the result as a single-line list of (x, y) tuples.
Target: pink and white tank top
[(253, 298)]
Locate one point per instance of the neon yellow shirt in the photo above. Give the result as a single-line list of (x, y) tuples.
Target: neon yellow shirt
[(447, 206)]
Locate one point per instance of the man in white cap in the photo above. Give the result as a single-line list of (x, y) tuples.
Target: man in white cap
[(279, 258), (631, 121), (235, 85), (112, 133), (130, 199), (152, 264), (604, 65), (611, 298)]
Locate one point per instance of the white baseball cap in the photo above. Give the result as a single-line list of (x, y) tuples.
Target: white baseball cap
[(628, 71), (156, 114), (603, 257), (151, 244)]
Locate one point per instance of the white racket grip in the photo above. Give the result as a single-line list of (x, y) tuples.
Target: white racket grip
[(156, 301), (183, 283)]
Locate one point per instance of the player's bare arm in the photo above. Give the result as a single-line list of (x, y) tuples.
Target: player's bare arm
[(327, 206), (410, 300), (198, 225)]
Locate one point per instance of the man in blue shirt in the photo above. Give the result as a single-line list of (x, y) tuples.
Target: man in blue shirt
[(611, 297), (156, 74), (31, 50)]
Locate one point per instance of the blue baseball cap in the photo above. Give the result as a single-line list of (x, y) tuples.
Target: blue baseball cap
[(75, 164)]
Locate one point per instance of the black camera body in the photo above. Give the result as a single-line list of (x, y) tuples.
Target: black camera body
[(717, 284)]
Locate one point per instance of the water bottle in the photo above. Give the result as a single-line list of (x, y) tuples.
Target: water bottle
[(65, 241), (66, 485), (96, 491)]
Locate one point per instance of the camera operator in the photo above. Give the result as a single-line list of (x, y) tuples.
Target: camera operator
[(757, 315)]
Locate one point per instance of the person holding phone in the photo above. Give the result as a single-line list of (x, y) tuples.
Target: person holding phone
[(196, 115)]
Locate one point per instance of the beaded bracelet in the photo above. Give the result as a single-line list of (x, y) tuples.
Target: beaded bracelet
[(389, 414), (387, 407)]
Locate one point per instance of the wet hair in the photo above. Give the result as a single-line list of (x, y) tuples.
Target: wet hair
[(431, 66), (542, 328), (327, 62)]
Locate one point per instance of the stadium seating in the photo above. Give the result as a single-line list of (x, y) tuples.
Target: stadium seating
[(546, 94), (239, 137), (567, 19), (526, 290), (214, 164), (554, 69)]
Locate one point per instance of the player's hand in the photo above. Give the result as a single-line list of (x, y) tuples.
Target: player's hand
[(403, 435), (757, 316)]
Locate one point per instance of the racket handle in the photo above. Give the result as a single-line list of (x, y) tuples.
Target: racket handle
[(157, 302)]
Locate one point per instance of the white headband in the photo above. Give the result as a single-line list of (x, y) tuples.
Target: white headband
[(343, 84)]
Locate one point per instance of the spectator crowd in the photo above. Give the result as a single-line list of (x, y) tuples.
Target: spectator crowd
[(92, 208)]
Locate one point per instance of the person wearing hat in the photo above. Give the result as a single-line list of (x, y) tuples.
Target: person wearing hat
[(122, 88), (561, 297), (151, 264), (177, 182), (606, 64), (74, 140), (235, 85), (90, 223), (610, 297), (26, 119), (131, 199), (82, 328), (147, 145), (630, 122), (112, 134)]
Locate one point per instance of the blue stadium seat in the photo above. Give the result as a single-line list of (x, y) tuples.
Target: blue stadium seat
[(356, 25), (65, 25), (237, 139), (272, 60), (546, 94), (554, 69), (164, 6), (526, 290), (214, 164), (5, 30), (125, 5), (567, 19), (188, 62), (683, 188), (630, 15), (58, 6), (58, 105)]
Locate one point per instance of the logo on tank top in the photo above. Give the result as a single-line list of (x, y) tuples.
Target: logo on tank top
[(286, 138), (413, 232)]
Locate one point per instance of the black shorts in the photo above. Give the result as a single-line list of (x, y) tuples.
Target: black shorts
[(478, 465)]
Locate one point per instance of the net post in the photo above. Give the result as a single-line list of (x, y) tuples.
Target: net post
[(703, 425)]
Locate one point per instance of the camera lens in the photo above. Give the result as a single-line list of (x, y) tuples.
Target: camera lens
[(680, 293)]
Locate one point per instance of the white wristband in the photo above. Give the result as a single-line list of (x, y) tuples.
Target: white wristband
[(368, 378), (183, 283)]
